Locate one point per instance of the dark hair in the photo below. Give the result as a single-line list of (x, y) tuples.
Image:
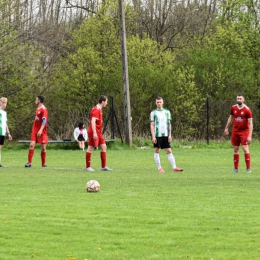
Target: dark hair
[(101, 99), (240, 95), (41, 98), (158, 98), (80, 125)]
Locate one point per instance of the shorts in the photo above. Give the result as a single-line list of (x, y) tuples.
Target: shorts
[(2, 139), (43, 139), (238, 138), (100, 140), (162, 143)]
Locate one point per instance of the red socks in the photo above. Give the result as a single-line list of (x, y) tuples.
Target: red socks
[(43, 156), (88, 159), (30, 155), (103, 156), (236, 161), (247, 160)]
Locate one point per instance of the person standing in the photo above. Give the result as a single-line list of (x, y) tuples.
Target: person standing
[(80, 135), (4, 130), (242, 119), (39, 132), (160, 126), (95, 137)]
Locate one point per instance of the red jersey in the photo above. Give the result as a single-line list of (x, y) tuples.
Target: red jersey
[(241, 116), (96, 113), (41, 112)]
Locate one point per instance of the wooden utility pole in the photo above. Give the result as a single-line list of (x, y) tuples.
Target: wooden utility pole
[(127, 108)]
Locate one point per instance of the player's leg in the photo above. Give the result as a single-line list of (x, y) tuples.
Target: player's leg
[(156, 156), (2, 138), (0, 155), (103, 153), (236, 158), (157, 159), (167, 146), (235, 141), (91, 145), (247, 155), (31, 151), (172, 160), (43, 154)]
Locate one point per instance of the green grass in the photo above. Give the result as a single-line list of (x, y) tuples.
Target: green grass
[(204, 212)]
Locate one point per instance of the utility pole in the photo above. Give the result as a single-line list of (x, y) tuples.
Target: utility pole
[(127, 108)]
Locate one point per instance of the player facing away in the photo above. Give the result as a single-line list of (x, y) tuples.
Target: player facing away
[(160, 126), (39, 132), (242, 120), (4, 130), (95, 137)]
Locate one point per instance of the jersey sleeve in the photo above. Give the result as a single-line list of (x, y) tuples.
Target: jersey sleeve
[(96, 113), (151, 119), (250, 115), (169, 117)]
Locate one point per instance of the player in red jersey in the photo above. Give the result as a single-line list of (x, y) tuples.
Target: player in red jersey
[(242, 120), (95, 137), (39, 132)]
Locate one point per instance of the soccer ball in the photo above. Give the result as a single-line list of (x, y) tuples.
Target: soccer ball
[(92, 186)]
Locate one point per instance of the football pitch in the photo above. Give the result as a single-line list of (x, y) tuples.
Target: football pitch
[(204, 212)]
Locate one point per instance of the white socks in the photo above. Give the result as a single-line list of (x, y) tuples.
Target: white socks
[(157, 160), (171, 160)]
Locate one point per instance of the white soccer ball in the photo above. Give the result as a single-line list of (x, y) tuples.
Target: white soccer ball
[(92, 186)]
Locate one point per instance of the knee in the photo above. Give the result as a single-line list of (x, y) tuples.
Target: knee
[(245, 149), (236, 149)]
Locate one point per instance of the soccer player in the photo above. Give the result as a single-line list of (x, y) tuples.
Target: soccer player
[(95, 137), (3, 125), (242, 120), (39, 132), (160, 126)]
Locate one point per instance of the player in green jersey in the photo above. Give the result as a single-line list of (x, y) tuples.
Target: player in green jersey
[(160, 126), (4, 130)]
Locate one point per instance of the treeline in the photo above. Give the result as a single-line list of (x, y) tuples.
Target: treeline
[(185, 51)]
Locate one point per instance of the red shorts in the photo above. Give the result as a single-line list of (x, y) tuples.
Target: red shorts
[(238, 138), (100, 140), (43, 139)]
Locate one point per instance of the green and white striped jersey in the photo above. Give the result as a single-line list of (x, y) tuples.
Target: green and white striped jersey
[(3, 120), (161, 119)]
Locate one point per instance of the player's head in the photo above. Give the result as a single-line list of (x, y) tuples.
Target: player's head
[(40, 98), (3, 102), (240, 99), (159, 102), (102, 100)]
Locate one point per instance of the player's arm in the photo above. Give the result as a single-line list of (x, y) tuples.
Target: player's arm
[(169, 131), (44, 121), (229, 122), (152, 131), (250, 123), (8, 133), (93, 126)]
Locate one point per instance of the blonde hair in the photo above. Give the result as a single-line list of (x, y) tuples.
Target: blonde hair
[(3, 99)]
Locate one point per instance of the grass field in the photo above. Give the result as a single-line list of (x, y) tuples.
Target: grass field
[(205, 212)]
